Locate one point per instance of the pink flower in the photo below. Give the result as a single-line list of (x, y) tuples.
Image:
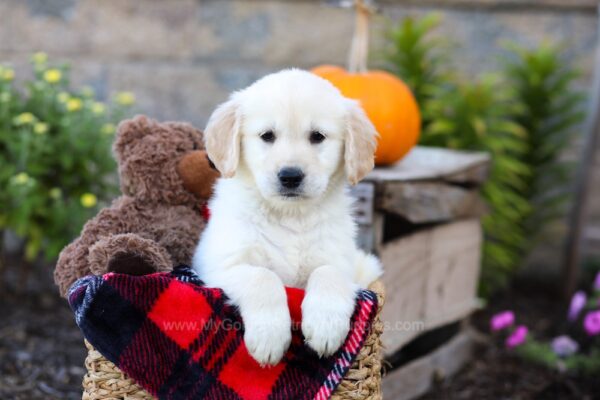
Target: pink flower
[(502, 320), (577, 303), (591, 323), (597, 282), (517, 337), (564, 346)]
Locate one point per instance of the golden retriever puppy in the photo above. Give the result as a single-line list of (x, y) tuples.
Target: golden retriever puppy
[(281, 215)]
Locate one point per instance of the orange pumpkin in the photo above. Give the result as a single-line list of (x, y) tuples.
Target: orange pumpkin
[(387, 101), (389, 104)]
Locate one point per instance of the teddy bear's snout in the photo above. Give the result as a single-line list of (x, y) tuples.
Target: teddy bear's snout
[(197, 175)]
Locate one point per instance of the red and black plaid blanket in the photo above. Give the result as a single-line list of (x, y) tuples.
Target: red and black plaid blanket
[(181, 340)]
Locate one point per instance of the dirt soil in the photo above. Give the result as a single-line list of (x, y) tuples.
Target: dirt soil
[(42, 351)]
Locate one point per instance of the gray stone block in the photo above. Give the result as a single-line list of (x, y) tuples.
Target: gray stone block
[(179, 92)]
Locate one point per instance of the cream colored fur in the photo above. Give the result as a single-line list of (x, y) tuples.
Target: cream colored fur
[(257, 240)]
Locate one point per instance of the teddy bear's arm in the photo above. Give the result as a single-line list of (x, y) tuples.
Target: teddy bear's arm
[(70, 266)]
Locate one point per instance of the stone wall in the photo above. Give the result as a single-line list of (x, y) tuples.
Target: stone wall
[(182, 57)]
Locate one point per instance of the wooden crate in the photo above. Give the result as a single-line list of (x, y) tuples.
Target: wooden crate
[(422, 217), (416, 378)]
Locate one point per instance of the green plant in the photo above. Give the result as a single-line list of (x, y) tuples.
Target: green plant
[(55, 161), (523, 117), (541, 353), (477, 116), (577, 350), (473, 114), (417, 56), (550, 112)]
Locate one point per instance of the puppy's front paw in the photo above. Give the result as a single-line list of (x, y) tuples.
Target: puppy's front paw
[(325, 325), (268, 335)]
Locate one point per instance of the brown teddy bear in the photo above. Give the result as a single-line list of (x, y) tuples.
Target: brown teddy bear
[(165, 179)]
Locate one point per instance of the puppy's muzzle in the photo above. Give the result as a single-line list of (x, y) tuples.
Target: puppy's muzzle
[(290, 177)]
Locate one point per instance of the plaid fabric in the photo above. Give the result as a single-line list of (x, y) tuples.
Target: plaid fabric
[(181, 340)]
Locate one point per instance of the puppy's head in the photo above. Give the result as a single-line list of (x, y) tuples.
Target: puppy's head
[(291, 132)]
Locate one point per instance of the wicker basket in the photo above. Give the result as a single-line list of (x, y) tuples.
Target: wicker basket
[(104, 380)]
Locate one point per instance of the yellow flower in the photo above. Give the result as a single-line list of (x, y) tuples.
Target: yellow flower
[(24, 119), (125, 98), (21, 178), (39, 58), (52, 75), (63, 97), (108, 129), (74, 104), (8, 74), (98, 108), (40, 128), (88, 200), (55, 193)]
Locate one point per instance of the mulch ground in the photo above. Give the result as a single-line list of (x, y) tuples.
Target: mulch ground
[(42, 351), (41, 348), (497, 375)]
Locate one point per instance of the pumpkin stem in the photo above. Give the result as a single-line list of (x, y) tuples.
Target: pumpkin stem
[(359, 50)]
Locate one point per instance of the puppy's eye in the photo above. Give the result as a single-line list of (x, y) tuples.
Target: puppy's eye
[(268, 137), (316, 137)]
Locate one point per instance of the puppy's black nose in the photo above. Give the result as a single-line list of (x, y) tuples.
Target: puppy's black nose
[(290, 177)]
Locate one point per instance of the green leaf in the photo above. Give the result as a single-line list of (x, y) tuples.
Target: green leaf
[(71, 154)]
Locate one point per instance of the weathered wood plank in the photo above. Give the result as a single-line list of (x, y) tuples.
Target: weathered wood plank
[(364, 214), (455, 257), (406, 264), (426, 202), (415, 379), (429, 163), (431, 278)]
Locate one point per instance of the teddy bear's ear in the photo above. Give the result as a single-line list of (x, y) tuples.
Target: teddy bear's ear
[(222, 137), (130, 131)]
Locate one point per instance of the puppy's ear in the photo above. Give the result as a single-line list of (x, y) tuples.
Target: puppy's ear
[(361, 140), (222, 138)]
